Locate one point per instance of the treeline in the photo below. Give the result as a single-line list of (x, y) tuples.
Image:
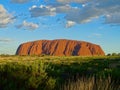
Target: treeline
[(113, 54), (6, 55)]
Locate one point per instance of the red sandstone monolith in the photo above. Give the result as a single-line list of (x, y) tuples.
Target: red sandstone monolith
[(60, 47)]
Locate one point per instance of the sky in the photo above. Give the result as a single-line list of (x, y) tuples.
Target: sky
[(95, 21)]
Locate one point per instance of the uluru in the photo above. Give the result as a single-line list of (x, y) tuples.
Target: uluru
[(60, 47)]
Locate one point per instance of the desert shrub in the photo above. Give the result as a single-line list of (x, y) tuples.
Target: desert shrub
[(15, 76)]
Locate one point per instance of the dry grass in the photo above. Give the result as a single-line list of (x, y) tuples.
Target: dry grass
[(90, 84)]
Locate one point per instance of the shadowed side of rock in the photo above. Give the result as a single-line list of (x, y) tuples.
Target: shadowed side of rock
[(60, 47)]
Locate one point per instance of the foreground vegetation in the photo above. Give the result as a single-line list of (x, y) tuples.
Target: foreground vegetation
[(59, 73)]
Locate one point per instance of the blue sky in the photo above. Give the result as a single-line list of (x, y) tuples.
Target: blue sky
[(96, 21)]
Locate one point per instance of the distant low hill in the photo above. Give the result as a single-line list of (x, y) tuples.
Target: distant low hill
[(60, 47)]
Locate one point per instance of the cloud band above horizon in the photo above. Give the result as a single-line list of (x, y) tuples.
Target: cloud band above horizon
[(75, 11)]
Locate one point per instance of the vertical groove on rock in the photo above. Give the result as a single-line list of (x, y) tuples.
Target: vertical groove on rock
[(55, 47), (66, 47), (76, 50), (29, 50)]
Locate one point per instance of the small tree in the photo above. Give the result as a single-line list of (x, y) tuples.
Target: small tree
[(114, 54), (118, 54), (108, 54)]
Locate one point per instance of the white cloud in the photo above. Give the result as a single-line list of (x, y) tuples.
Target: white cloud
[(89, 10), (63, 9), (84, 15), (5, 17), (28, 25), (42, 11), (95, 35), (70, 24), (20, 1), (75, 1), (51, 10), (99, 8), (5, 40), (113, 18)]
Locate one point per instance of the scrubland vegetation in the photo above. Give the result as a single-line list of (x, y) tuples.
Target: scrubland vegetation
[(59, 73)]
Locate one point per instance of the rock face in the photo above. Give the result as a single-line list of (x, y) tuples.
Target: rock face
[(60, 47)]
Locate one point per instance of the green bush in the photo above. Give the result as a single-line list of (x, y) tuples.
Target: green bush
[(15, 76)]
